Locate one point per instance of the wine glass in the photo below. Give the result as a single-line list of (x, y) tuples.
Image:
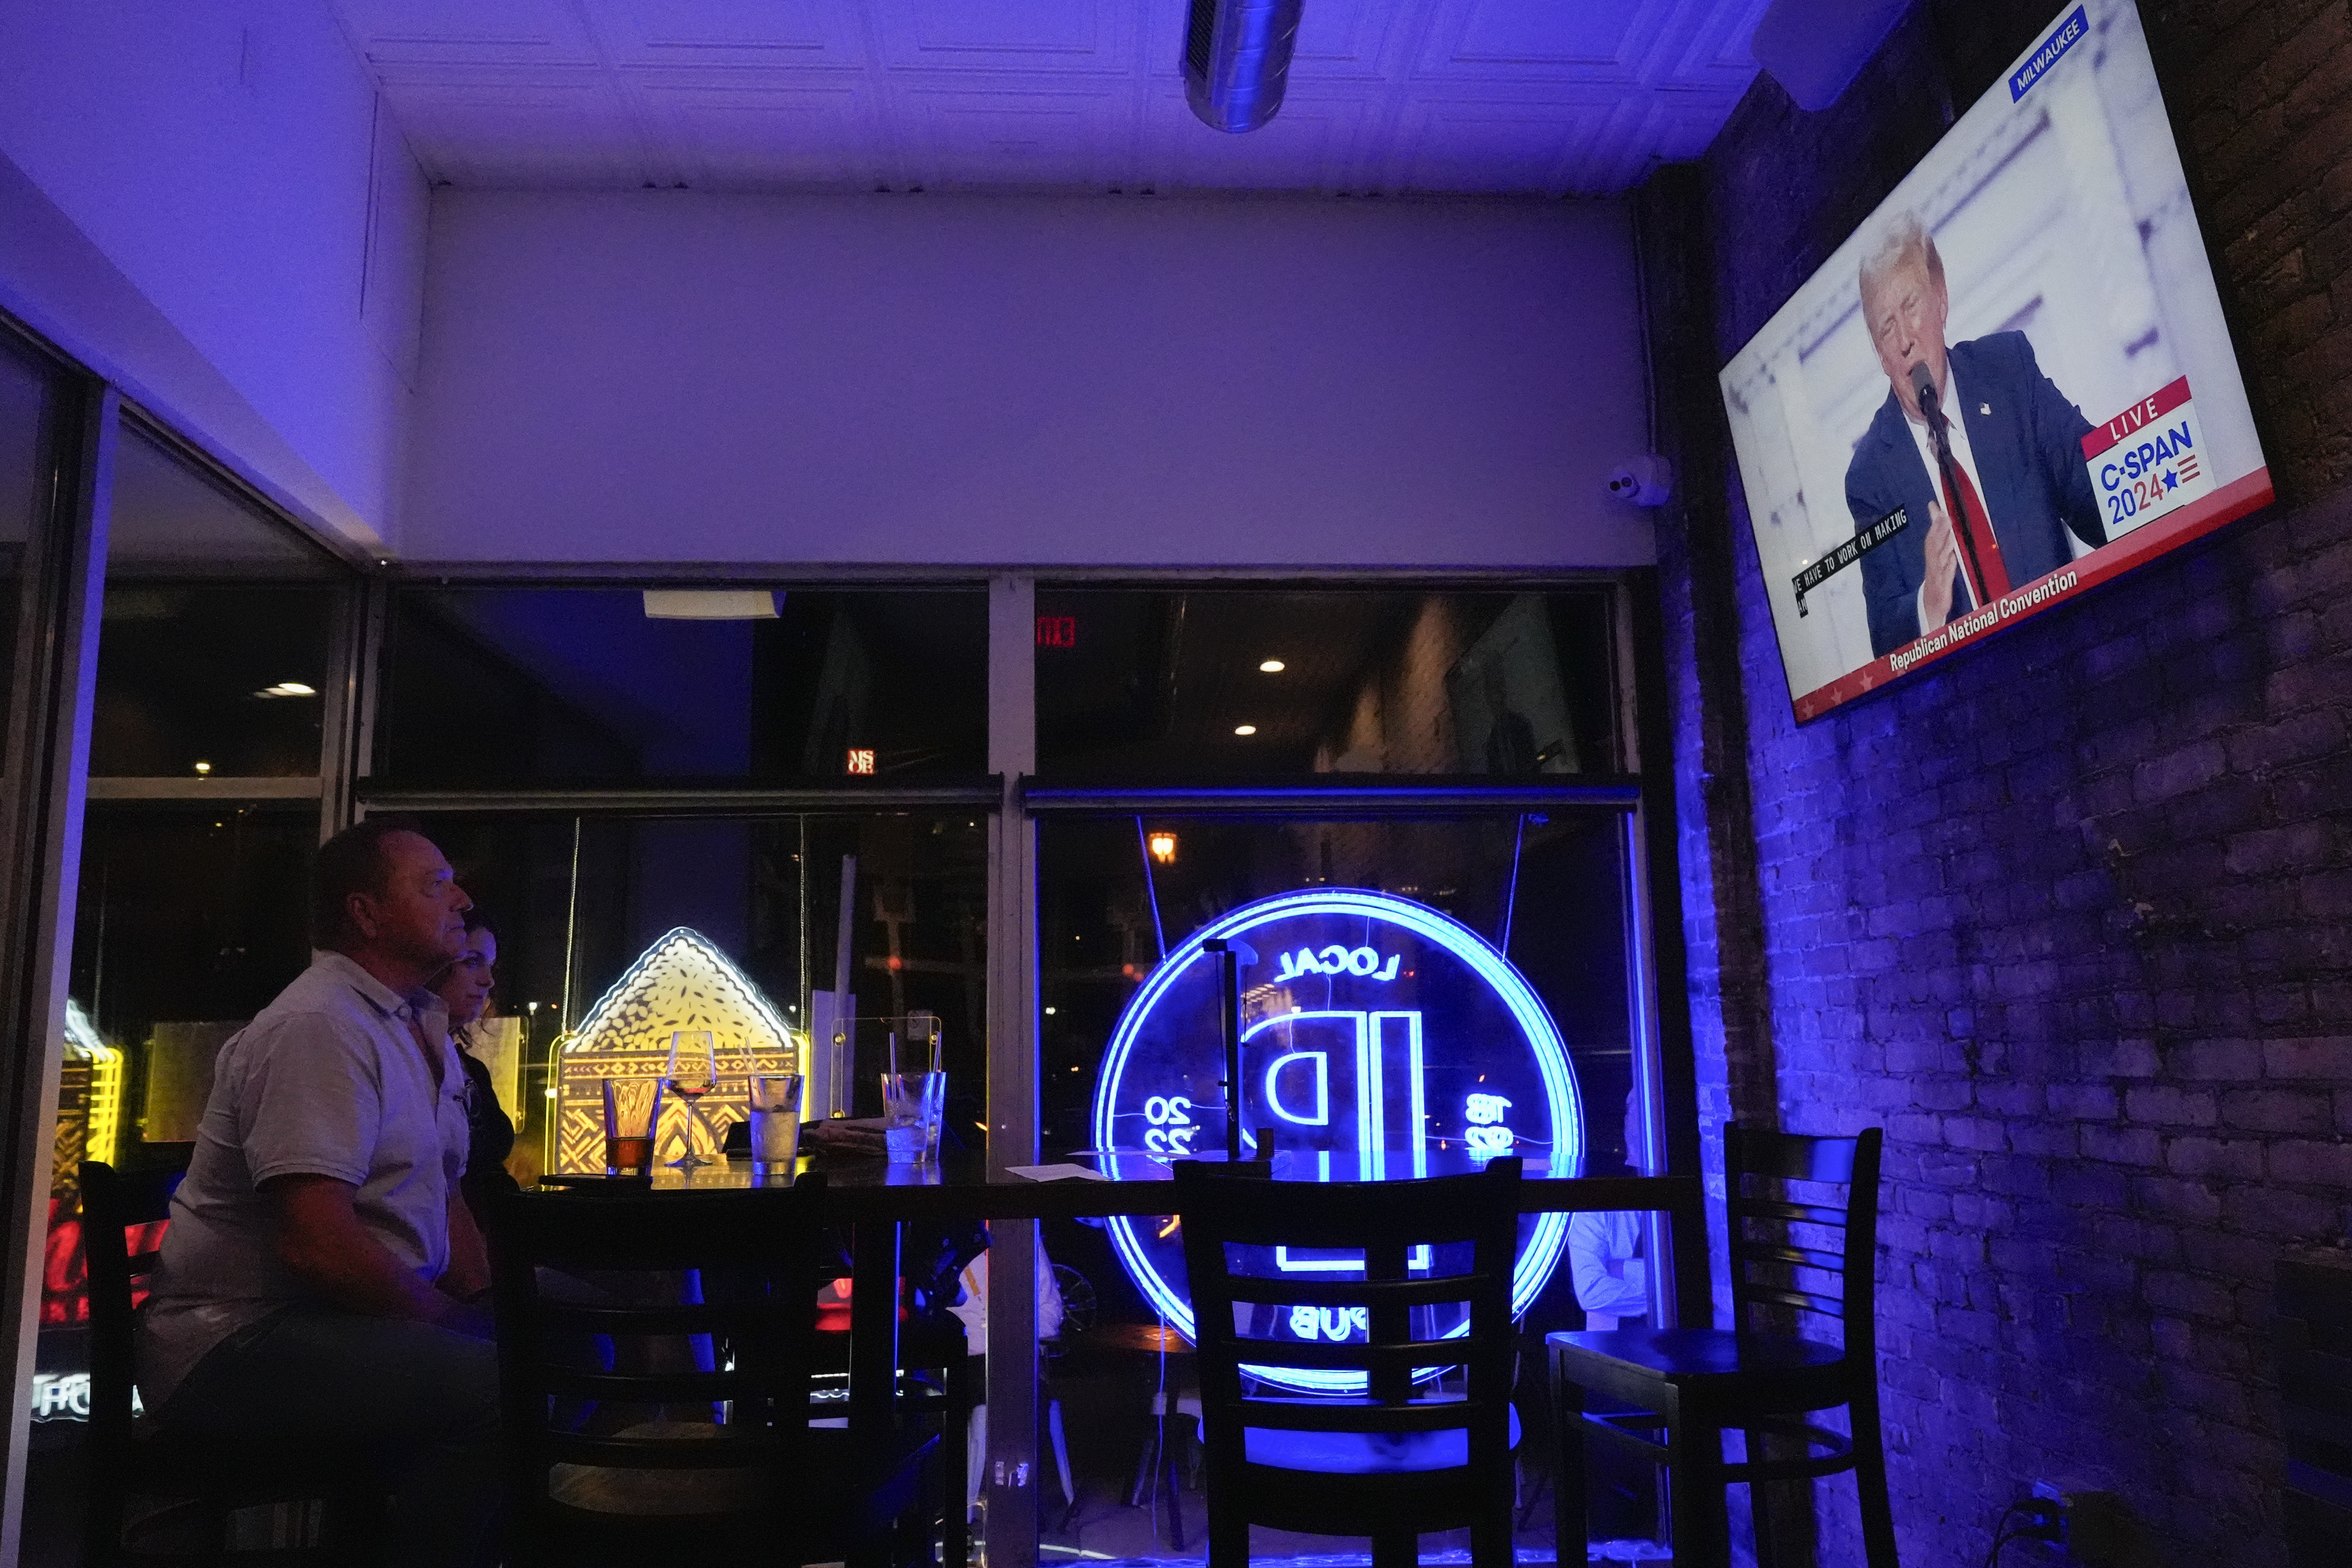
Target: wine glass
[(693, 1072)]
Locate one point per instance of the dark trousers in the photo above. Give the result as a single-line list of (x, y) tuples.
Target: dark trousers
[(424, 1399)]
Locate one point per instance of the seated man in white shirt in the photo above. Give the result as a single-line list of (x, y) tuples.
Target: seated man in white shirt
[(322, 1276)]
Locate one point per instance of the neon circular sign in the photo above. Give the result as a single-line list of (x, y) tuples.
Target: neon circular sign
[(1380, 1038)]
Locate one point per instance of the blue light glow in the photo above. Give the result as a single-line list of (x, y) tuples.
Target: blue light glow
[(1394, 1053)]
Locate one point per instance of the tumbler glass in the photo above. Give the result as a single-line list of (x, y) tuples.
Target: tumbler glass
[(912, 1103), (632, 1108), (775, 1106)]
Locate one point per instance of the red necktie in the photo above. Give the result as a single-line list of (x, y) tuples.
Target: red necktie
[(1969, 521)]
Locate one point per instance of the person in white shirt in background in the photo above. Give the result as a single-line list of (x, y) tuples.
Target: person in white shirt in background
[(1604, 1250), (1612, 1285), (972, 1313)]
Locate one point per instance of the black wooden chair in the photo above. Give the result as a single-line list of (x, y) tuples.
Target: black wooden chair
[(1692, 1384), (185, 1492), (600, 1468), (1401, 1459)]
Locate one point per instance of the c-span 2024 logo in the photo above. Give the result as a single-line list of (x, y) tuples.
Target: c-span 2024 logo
[(2147, 460)]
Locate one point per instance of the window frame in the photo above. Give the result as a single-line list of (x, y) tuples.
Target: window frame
[(41, 810)]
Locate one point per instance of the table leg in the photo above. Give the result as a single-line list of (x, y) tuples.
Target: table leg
[(873, 1349)]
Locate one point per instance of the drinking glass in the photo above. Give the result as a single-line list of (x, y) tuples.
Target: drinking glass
[(632, 1118), (912, 1103), (693, 1072), (774, 1101)]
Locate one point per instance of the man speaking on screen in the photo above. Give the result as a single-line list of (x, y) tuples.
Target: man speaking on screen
[(1973, 439)]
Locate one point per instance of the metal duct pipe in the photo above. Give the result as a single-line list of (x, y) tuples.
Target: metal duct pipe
[(1237, 60)]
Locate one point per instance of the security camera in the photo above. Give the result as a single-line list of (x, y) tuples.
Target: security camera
[(1646, 481)]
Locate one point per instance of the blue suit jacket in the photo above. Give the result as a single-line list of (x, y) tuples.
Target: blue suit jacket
[(2029, 459)]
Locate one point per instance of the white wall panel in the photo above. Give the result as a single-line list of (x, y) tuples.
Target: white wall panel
[(1061, 36), (1029, 133), (254, 217), (1322, 129), (509, 126), (993, 380), (469, 32), (758, 130), (778, 33), (957, 92)]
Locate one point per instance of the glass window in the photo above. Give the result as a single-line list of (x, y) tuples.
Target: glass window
[(175, 518), (1166, 684), (492, 687), (213, 654), (210, 680), (28, 413), (91, 1082), (190, 918), (582, 905), (1417, 994)]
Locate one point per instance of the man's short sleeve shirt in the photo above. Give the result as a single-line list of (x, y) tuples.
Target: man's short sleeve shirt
[(329, 1080)]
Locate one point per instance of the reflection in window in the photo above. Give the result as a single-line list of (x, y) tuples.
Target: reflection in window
[(210, 680), (578, 902), (213, 652), (509, 687), (1373, 1057), (212, 658), (174, 518), (187, 915), (1166, 684), (28, 413), (680, 985)]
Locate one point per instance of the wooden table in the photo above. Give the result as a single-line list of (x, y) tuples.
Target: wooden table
[(873, 1198)]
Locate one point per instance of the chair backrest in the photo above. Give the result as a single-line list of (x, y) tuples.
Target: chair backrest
[(570, 1267), (114, 1204), (1427, 1245), (1774, 1260)]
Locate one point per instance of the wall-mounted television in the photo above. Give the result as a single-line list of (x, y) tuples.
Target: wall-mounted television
[(2012, 383)]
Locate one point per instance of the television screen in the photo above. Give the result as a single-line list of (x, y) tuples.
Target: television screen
[(2011, 384)]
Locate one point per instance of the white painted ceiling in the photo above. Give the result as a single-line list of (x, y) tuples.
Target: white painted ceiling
[(1551, 97)]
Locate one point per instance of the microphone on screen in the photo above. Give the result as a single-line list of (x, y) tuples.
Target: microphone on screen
[(1922, 388)]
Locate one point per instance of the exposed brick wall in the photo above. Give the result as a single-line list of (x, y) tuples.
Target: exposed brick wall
[(2067, 915)]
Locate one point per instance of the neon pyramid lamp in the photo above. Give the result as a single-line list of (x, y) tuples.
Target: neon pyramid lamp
[(89, 1104), (681, 982)]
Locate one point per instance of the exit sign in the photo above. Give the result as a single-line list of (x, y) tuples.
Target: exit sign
[(1057, 631), (861, 760)]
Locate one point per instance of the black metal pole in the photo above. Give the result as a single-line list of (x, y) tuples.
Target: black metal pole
[(1229, 1019)]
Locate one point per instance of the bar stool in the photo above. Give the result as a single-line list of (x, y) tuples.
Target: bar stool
[(1694, 1383), (207, 1480), (1403, 1459), (767, 1483)]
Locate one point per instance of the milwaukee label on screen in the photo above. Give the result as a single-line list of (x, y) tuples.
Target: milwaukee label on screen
[(2049, 52), (2147, 460)]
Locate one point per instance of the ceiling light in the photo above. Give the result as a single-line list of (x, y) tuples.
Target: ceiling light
[(1271, 666), (203, 767), (1244, 729), (711, 604), (1162, 846)]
